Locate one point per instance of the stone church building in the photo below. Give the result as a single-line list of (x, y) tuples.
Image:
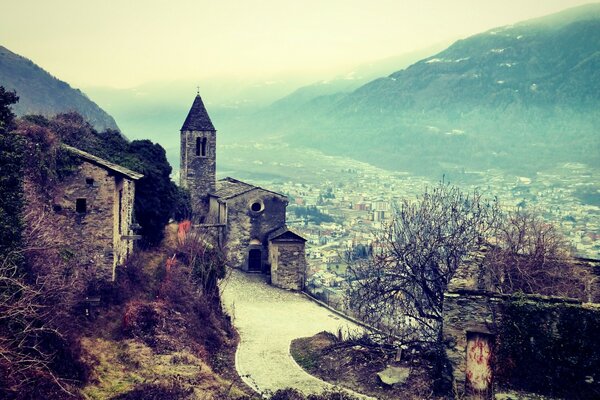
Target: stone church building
[(250, 220)]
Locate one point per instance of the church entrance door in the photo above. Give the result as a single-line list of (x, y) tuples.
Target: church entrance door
[(254, 260)]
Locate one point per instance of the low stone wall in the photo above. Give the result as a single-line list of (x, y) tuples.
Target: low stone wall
[(528, 342)]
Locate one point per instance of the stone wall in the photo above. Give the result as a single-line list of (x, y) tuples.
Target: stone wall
[(471, 312), (288, 264), (124, 197), (464, 314), (245, 225), (92, 235), (198, 171)]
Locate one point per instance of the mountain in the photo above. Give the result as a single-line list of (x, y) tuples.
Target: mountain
[(156, 110), (520, 97), (41, 93), (351, 79)]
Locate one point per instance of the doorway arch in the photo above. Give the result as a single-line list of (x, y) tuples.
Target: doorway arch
[(255, 260)]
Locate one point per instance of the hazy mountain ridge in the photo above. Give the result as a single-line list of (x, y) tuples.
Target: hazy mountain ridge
[(520, 96), (41, 93)]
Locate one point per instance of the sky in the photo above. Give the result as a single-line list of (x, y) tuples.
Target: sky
[(124, 43)]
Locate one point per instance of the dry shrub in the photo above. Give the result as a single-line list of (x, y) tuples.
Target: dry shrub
[(531, 256), (147, 391)]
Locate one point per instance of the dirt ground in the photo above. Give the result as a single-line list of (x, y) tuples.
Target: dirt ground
[(356, 368)]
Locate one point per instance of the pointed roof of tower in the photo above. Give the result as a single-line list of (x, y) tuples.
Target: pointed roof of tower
[(198, 119)]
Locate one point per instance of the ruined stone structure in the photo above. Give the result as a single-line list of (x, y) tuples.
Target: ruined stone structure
[(250, 220), (474, 314), (93, 208), (198, 158)]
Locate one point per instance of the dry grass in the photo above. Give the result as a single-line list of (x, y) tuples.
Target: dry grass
[(149, 343), (119, 366)]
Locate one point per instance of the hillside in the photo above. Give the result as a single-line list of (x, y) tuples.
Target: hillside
[(41, 93), (522, 96)]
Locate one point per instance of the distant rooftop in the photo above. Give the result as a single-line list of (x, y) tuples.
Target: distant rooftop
[(198, 119)]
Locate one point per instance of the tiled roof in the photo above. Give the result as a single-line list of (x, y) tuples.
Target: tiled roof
[(104, 163), (228, 188), (198, 119)]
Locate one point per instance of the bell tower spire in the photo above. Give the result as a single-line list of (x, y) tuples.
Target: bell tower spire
[(198, 156)]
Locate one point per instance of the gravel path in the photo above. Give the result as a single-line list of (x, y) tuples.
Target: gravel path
[(268, 319)]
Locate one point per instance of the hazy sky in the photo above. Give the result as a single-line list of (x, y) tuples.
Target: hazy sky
[(123, 43)]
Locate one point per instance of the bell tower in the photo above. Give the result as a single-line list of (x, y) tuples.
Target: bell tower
[(198, 157)]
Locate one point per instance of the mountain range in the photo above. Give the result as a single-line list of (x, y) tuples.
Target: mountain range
[(41, 93), (519, 97), (522, 97)]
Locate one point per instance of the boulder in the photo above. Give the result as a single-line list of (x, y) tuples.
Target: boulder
[(394, 375)]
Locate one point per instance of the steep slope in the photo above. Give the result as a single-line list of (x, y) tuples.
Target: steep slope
[(521, 96), (41, 93)]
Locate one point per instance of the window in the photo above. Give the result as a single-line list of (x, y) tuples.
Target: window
[(89, 182), (201, 147), (81, 206), (257, 206)]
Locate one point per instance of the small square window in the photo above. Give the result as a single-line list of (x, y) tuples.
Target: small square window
[(81, 206), (89, 181)]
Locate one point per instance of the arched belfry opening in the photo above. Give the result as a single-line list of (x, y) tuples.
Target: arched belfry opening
[(201, 147)]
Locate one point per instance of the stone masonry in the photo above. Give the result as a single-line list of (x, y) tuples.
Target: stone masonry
[(198, 157), (93, 208), (287, 259)]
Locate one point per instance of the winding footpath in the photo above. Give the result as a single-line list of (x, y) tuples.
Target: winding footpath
[(268, 319)]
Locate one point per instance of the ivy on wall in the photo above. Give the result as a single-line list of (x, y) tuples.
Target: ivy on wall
[(549, 348)]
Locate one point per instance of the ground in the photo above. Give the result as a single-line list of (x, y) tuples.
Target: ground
[(356, 367), (267, 320)]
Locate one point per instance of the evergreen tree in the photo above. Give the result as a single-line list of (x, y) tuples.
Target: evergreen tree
[(11, 182)]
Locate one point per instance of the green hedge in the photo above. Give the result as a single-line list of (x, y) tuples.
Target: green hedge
[(550, 348)]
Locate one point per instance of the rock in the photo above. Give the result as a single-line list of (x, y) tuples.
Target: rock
[(394, 375)]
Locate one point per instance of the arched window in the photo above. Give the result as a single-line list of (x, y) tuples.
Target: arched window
[(201, 147)]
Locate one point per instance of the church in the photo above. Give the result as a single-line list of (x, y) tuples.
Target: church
[(250, 220)]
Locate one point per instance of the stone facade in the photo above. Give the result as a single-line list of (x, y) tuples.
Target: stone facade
[(287, 259), (249, 214), (198, 170), (93, 206)]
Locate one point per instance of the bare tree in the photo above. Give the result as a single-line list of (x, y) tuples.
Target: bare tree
[(401, 286), (530, 255)]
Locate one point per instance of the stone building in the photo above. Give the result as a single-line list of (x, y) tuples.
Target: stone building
[(250, 220), (93, 208)]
